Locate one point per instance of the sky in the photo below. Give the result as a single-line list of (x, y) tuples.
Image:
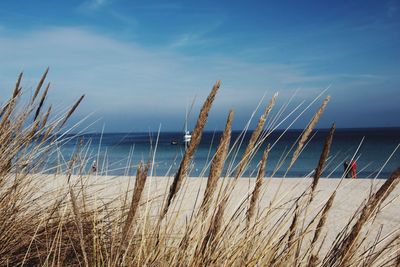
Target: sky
[(141, 63)]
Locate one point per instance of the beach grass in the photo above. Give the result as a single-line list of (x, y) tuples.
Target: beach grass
[(73, 219)]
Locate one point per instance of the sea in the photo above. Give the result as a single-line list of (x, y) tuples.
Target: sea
[(376, 151)]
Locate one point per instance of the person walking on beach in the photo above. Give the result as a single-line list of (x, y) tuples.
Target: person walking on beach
[(346, 169), (94, 166), (353, 167)]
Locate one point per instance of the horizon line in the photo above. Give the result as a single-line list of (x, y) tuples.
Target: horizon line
[(280, 129)]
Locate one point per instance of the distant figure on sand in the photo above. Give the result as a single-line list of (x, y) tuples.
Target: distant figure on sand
[(346, 169), (94, 166), (353, 167)]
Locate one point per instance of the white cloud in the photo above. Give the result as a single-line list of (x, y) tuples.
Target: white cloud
[(126, 78), (129, 21), (161, 6), (94, 4), (392, 9), (198, 37)]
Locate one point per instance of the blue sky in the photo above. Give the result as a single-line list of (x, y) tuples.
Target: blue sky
[(141, 62)]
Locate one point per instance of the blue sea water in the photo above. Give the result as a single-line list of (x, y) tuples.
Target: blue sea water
[(118, 153)]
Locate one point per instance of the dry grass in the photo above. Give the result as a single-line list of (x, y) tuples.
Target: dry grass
[(196, 137), (71, 225), (257, 187), (322, 160), (217, 166), (308, 131), (251, 146)]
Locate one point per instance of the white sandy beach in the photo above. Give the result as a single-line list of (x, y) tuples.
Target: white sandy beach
[(349, 196)]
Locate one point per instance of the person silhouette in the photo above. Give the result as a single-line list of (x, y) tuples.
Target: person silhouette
[(346, 169), (94, 166)]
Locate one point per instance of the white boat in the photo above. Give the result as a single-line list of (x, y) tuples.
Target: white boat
[(187, 137)]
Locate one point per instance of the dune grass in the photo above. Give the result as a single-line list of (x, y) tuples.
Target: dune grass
[(63, 220)]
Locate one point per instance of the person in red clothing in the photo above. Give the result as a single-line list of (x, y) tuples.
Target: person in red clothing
[(353, 167)]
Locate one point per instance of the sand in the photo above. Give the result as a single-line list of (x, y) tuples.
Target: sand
[(350, 195)]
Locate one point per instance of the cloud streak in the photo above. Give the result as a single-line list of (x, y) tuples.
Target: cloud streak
[(126, 82), (95, 4)]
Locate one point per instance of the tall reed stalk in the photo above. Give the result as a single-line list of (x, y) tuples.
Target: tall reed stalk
[(196, 137)]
